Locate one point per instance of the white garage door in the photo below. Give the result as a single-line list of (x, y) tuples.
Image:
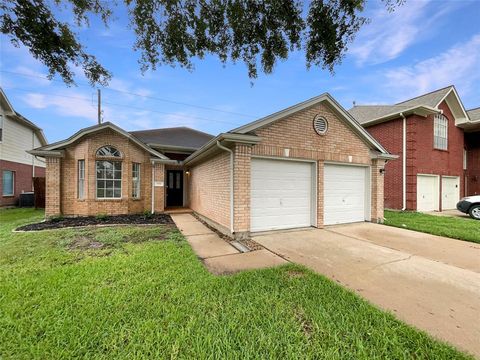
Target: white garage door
[(427, 193), (450, 192), (345, 194), (281, 194)]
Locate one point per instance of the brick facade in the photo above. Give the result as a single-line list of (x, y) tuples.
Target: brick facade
[(472, 174), (62, 179), (23, 180), (209, 189), (422, 158)]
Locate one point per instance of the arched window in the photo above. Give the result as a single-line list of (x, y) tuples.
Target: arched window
[(108, 151), (108, 173), (440, 132)]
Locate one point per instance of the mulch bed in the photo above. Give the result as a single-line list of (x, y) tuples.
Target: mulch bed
[(138, 219)]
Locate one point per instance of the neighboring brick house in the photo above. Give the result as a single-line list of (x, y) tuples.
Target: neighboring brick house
[(311, 164), (437, 142), (17, 167)]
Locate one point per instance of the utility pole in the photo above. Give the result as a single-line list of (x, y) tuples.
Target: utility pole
[(99, 103)]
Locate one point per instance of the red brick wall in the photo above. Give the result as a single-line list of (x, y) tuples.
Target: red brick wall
[(473, 163), (390, 135), (22, 177), (422, 158)]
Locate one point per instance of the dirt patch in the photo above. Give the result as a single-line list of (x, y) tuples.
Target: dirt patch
[(295, 274), (85, 243), (305, 324), (137, 219), (252, 245)]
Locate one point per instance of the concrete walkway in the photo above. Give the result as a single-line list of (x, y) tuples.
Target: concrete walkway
[(218, 255), (430, 282)]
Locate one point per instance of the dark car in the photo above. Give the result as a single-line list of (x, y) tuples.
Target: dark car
[(470, 205)]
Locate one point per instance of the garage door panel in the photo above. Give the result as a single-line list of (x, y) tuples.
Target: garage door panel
[(427, 193), (281, 194), (450, 192), (344, 194)]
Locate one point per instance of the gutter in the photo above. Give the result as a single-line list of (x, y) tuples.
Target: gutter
[(231, 182), (153, 187), (404, 162)]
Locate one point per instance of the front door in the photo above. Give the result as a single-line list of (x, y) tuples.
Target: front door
[(174, 188)]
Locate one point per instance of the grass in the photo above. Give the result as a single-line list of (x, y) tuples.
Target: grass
[(144, 294), (453, 227)]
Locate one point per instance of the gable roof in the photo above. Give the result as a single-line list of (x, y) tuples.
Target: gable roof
[(423, 105), (17, 117), (42, 151), (474, 114), (325, 97), (174, 137)]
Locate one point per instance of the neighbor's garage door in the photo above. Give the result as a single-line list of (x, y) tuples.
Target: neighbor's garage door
[(281, 194), (345, 194), (427, 192), (450, 192)]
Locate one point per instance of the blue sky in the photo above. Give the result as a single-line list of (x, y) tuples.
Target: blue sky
[(422, 46)]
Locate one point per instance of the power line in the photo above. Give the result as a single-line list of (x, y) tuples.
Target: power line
[(123, 106), (139, 95)]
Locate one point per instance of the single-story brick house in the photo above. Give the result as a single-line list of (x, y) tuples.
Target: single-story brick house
[(311, 164)]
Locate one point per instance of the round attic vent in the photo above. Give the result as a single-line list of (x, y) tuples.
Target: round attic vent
[(320, 125)]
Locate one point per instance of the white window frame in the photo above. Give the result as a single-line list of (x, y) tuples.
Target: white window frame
[(105, 179), (440, 132), (13, 183), (136, 180), (81, 179)]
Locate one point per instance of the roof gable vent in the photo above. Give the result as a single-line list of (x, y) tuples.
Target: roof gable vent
[(320, 125)]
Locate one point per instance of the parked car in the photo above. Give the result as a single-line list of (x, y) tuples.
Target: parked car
[(470, 205)]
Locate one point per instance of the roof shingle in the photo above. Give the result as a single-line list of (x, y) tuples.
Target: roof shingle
[(175, 136)]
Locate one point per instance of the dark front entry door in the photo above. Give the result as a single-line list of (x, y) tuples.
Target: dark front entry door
[(174, 188)]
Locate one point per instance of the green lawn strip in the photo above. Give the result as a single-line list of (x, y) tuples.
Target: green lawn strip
[(452, 227), (154, 299)]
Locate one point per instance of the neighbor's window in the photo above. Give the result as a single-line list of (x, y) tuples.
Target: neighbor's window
[(440, 132), (1, 128), (8, 178), (135, 180), (81, 179), (109, 174)]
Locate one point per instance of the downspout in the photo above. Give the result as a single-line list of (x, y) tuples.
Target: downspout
[(153, 187), (404, 163), (231, 183)]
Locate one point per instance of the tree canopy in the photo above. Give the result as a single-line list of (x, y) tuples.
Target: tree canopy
[(174, 32)]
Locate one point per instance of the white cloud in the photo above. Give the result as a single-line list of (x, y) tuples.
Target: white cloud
[(458, 66), (389, 34)]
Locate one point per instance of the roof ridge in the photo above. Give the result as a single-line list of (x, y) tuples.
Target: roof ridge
[(170, 128), (477, 108), (428, 93)]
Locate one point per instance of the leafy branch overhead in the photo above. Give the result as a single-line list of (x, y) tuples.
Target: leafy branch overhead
[(258, 33)]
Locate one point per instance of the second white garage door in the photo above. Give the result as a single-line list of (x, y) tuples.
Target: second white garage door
[(450, 192), (281, 194), (345, 194)]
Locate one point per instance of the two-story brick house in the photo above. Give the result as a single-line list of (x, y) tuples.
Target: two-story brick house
[(17, 167), (437, 142)]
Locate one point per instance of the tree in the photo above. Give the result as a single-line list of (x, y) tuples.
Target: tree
[(259, 33)]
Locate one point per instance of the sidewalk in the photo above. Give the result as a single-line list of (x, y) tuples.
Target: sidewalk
[(218, 256)]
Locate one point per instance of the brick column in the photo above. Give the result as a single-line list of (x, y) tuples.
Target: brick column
[(159, 205), (377, 191), (52, 187), (241, 190)]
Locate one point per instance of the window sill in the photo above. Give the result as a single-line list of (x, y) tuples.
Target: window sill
[(136, 199), (107, 200), (443, 150), (8, 196)]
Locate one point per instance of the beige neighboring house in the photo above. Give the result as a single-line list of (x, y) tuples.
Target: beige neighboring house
[(311, 164), (17, 167)]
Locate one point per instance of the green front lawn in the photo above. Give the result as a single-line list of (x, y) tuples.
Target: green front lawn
[(453, 227), (140, 292)]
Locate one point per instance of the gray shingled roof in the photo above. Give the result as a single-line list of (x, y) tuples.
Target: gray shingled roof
[(365, 113), (176, 136), (474, 114)]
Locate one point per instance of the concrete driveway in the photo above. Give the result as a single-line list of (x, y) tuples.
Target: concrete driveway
[(428, 281)]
